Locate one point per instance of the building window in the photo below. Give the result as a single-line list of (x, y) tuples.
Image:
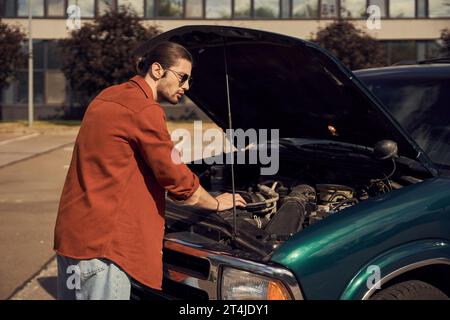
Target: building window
[(402, 51), (55, 81), (21, 90), (104, 6), (242, 8), (150, 8), (54, 60), (22, 87), (267, 8), (55, 8), (421, 8), (55, 87), (439, 8), (8, 8), (218, 9), (411, 51), (353, 9), (135, 6), (86, 7), (285, 9), (381, 4), (49, 82), (305, 9), (37, 9), (170, 8), (428, 49), (38, 53), (402, 9), (194, 8), (8, 95), (421, 47), (434, 49), (328, 9)]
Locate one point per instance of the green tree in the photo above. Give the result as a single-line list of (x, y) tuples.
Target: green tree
[(445, 38), (355, 48), (11, 55), (100, 53)]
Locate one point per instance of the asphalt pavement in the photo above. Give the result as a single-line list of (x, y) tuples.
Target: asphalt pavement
[(33, 166)]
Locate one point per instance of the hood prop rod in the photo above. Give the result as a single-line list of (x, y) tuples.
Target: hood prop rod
[(231, 137)]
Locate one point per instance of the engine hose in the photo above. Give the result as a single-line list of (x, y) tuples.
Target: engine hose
[(261, 203), (268, 191), (341, 203)]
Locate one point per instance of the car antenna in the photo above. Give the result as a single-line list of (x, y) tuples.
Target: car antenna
[(230, 126)]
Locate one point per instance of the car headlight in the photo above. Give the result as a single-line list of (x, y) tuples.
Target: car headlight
[(244, 285)]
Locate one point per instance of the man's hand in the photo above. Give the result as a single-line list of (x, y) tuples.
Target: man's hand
[(226, 201), (201, 198)]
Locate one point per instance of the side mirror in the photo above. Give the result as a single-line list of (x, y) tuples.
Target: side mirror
[(385, 150)]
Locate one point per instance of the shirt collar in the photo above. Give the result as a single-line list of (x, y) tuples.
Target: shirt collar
[(143, 85)]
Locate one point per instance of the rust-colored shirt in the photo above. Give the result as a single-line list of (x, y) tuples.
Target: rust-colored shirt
[(112, 204)]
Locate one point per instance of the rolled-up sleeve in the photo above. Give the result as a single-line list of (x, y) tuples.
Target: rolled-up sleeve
[(155, 146)]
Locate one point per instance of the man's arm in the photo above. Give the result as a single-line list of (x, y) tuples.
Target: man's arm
[(155, 145)]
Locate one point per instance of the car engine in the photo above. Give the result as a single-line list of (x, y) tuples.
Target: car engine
[(285, 210)]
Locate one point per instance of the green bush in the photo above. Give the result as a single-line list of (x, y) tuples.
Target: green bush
[(11, 55), (100, 53), (355, 49)]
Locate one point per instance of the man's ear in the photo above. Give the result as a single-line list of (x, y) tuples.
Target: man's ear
[(157, 71)]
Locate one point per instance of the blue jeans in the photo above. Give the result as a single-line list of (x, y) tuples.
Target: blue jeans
[(93, 279)]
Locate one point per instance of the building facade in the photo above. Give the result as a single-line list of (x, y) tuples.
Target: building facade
[(409, 30)]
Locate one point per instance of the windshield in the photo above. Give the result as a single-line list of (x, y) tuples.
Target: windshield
[(422, 107)]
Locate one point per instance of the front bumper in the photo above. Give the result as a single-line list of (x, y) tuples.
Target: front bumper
[(193, 272)]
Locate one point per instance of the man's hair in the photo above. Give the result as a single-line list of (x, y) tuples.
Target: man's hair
[(166, 54)]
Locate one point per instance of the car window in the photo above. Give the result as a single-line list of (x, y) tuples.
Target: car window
[(422, 107)]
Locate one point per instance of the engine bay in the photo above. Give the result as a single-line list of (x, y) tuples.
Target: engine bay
[(310, 186), (285, 210), (283, 207)]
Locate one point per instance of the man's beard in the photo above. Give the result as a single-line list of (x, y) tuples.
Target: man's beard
[(164, 97)]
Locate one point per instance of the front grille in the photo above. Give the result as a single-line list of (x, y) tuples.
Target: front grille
[(171, 290), (186, 264), (181, 291)]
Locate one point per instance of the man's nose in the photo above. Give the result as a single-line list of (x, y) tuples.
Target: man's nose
[(185, 86)]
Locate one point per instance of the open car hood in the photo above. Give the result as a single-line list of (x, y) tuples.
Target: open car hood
[(281, 82)]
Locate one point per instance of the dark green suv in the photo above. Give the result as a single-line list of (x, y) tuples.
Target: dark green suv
[(356, 210)]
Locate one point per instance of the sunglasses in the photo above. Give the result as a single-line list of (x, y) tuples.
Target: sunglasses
[(182, 77)]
